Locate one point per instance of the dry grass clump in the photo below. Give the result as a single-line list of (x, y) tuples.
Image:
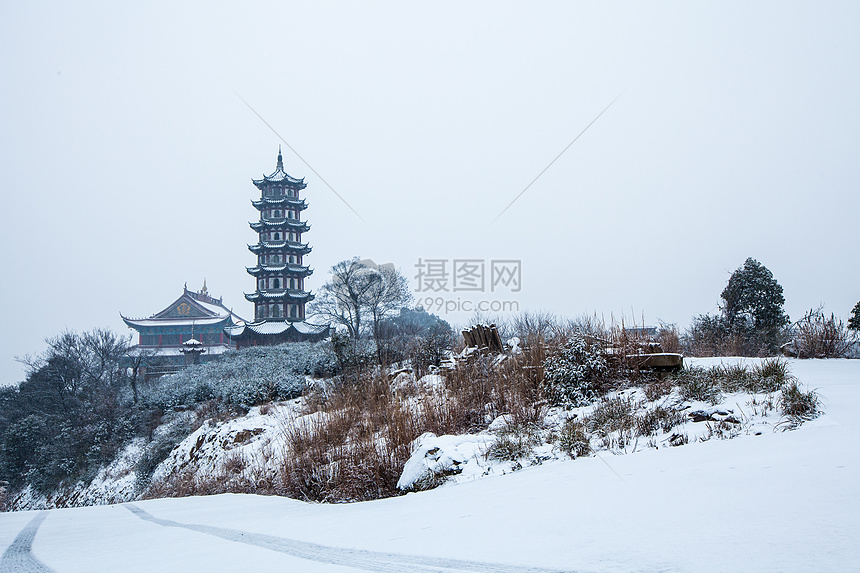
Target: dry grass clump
[(708, 384), (770, 375), (657, 389), (353, 445), (514, 442), (697, 383), (661, 418), (611, 415), (733, 377), (798, 406), (355, 438), (573, 439), (817, 336)]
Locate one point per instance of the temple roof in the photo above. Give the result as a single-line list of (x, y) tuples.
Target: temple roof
[(196, 308), (279, 176), (150, 322)]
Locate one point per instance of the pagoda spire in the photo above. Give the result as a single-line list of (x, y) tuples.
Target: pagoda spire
[(280, 159)]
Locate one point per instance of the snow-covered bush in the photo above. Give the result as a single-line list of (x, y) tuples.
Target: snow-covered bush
[(245, 378), (572, 376)]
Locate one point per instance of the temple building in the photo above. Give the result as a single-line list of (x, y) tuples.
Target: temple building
[(279, 297), (190, 329)]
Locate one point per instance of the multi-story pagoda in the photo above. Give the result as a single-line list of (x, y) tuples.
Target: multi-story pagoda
[(280, 273)]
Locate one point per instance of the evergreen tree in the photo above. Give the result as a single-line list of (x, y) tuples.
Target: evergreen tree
[(752, 301), (854, 319)]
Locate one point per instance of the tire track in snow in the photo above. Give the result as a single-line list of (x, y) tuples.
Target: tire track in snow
[(376, 561), (18, 557)]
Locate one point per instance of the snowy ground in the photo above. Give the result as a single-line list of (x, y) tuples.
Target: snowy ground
[(779, 501)]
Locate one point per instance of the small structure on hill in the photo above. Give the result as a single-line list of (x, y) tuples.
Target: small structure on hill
[(484, 338), (280, 296), (192, 350)]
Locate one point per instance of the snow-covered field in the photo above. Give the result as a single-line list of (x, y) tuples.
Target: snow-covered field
[(779, 501)]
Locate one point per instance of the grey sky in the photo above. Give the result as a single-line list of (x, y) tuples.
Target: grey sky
[(126, 156)]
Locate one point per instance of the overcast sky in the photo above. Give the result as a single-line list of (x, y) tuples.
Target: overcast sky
[(126, 151)]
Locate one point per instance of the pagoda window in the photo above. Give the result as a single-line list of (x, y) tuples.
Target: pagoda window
[(277, 237), (276, 310), (276, 213), (276, 283), (260, 310), (294, 311)]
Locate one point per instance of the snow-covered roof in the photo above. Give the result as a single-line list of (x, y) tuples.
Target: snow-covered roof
[(190, 308), (299, 203), (272, 327), (293, 267), (282, 222), (286, 293), (173, 321), (279, 175)]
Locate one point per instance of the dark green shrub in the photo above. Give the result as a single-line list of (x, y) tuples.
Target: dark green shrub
[(572, 376)]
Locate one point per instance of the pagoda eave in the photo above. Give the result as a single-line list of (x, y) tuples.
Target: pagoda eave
[(294, 248), (279, 177), (299, 204), (292, 224), (291, 268), (285, 295)]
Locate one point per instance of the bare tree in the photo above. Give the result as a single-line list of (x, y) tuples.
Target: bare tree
[(361, 292), (342, 298), (388, 292)]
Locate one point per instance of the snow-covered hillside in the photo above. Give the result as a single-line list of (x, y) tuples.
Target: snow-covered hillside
[(777, 501)]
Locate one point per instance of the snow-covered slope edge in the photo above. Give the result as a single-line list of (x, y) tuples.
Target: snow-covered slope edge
[(245, 454)]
